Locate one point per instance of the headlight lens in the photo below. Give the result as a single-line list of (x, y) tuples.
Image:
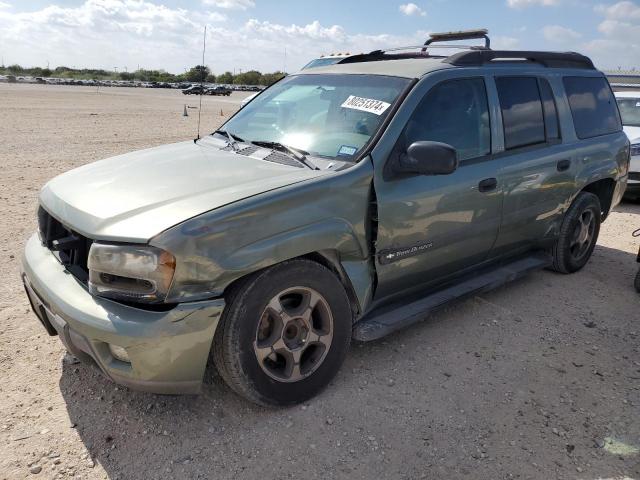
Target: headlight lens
[(635, 149), (129, 272)]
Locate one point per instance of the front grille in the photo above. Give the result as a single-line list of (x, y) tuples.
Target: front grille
[(71, 248), (634, 176)]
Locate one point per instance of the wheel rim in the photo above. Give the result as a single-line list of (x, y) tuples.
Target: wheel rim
[(294, 334), (583, 235)]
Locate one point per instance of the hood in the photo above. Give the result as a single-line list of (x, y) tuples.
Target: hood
[(633, 133), (135, 196)]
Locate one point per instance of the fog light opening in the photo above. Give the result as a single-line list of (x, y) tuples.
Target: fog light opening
[(119, 353)]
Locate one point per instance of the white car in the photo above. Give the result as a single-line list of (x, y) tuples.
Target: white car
[(629, 104)]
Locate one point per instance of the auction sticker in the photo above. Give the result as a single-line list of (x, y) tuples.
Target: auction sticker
[(369, 105)]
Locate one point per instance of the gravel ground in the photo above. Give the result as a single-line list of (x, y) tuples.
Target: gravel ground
[(539, 379)]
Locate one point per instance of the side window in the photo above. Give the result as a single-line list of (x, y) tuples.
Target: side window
[(454, 112), (522, 114), (593, 106), (552, 128)]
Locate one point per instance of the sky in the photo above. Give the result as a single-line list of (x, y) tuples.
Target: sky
[(270, 35)]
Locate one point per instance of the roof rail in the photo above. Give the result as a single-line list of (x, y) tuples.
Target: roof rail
[(460, 35), (548, 59)]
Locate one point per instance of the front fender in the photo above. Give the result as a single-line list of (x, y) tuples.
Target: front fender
[(328, 213)]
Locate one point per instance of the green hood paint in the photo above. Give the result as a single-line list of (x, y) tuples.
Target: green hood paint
[(135, 196)]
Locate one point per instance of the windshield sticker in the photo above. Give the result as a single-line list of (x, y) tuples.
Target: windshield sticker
[(347, 150), (369, 105), (637, 104)]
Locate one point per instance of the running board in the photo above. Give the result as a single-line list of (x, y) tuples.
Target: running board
[(387, 319)]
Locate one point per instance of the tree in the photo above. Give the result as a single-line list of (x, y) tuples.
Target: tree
[(126, 76), (198, 73), (211, 78), (252, 77), (225, 78), (271, 78)]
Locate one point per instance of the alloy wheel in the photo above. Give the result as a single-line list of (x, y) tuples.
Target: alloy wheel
[(294, 334), (583, 235)]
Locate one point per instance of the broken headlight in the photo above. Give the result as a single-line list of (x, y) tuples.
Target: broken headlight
[(129, 272)]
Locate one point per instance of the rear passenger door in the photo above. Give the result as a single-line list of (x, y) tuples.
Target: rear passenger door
[(536, 172)]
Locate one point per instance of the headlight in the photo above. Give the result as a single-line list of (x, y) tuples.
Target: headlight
[(129, 272), (635, 149)]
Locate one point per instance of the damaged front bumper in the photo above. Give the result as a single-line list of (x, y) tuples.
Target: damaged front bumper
[(168, 350)]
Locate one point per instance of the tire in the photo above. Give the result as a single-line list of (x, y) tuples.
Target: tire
[(297, 319), (636, 283), (578, 234)]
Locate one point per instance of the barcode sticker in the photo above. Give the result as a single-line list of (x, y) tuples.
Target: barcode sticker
[(369, 105)]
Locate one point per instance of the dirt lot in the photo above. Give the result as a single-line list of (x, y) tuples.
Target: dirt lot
[(540, 379)]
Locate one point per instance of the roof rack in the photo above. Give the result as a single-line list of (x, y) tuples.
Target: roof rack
[(548, 59), (460, 35)]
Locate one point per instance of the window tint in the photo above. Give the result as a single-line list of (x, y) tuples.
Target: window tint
[(550, 113), (593, 106), (454, 112), (522, 115)]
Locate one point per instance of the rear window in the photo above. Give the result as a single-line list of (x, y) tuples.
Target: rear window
[(522, 114), (593, 106)]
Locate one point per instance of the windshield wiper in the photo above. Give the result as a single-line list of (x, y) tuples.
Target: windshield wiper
[(232, 139), (296, 154)]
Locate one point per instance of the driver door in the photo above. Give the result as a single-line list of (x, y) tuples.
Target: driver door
[(432, 227)]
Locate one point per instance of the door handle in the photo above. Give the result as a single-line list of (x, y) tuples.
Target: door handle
[(563, 165), (488, 184)]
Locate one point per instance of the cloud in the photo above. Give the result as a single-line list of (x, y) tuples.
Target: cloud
[(559, 34), (531, 3), (4, 5), (231, 4), (619, 27), (108, 33), (412, 9)]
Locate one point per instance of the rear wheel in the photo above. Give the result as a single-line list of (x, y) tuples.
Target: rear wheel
[(284, 333), (578, 234)]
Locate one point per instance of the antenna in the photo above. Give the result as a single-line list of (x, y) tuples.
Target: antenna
[(204, 47)]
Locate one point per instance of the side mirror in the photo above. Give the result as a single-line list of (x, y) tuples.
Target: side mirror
[(428, 158)]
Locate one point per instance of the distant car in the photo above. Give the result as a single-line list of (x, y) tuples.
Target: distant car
[(218, 91), (629, 105), (195, 90)]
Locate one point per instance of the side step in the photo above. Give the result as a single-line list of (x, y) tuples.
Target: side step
[(387, 319)]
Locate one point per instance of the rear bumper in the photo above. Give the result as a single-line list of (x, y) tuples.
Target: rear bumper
[(168, 350)]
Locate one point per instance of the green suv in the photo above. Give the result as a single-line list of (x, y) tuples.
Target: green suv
[(344, 202)]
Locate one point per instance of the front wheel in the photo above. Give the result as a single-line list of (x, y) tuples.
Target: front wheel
[(284, 333), (578, 234)]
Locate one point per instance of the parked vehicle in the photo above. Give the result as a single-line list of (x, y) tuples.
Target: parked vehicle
[(629, 104), (345, 202), (218, 91), (195, 90)]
